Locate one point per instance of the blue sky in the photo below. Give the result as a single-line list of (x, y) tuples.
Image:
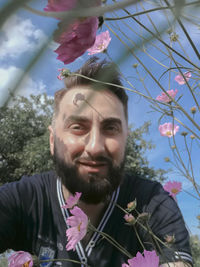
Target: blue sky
[(23, 33)]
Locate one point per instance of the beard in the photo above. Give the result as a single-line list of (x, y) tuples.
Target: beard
[(95, 188)]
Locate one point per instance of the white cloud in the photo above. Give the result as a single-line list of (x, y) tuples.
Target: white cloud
[(28, 86), (19, 36)]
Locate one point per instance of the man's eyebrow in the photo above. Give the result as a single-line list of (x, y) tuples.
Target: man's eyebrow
[(75, 118), (112, 120)]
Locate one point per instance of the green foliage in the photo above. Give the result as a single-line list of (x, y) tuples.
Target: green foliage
[(195, 247), (136, 161), (24, 137), (24, 143), (3, 262)]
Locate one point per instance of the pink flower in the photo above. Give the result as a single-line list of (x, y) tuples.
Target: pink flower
[(179, 78), (173, 188), (60, 5), (78, 230), (19, 259), (164, 97), (101, 43), (168, 129), (72, 201), (76, 39), (150, 259)]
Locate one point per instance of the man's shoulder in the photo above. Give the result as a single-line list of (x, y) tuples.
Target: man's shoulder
[(138, 184), (141, 189), (44, 177), (28, 184), (39, 181)]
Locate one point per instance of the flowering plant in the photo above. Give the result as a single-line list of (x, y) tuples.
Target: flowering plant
[(20, 259), (173, 188)]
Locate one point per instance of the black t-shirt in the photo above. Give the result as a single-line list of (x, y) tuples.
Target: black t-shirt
[(32, 219)]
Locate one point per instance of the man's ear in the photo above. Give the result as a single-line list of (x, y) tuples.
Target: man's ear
[(51, 139)]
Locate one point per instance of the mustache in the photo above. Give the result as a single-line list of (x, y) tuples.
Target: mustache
[(99, 159)]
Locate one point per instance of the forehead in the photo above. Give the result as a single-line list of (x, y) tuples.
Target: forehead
[(88, 102)]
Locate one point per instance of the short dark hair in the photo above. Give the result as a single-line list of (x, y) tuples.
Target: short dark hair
[(93, 69)]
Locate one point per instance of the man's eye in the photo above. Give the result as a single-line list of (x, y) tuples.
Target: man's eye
[(77, 129), (112, 129)]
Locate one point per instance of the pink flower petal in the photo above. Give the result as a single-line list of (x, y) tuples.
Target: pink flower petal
[(173, 188), (18, 258), (78, 229), (164, 97), (179, 78), (149, 259), (60, 5), (72, 201), (101, 43), (129, 218), (168, 129), (77, 39)]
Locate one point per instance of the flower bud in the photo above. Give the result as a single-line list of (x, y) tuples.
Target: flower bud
[(129, 218), (135, 65), (169, 31), (166, 159), (131, 205), (170, 239), (143, 217), (184, 133), (173, 147), (192, 136), (174, 37), (193, 110)]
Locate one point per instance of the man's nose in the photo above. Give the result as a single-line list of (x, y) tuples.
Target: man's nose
[(95, 143)]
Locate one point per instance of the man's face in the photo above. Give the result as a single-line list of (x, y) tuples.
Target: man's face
[(88, 142)]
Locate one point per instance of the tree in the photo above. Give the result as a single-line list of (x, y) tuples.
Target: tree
[(195, 247), (24, 137), (136, 161), (24, 144)]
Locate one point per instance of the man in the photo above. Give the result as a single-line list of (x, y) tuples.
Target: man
[(87, 141)]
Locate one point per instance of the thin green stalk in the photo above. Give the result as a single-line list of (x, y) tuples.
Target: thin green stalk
[(178, 167), (106, 52), (164, 43), (157, 82), (9, 9), (186, 127), (159, 39), (189, 157), (123, 87), (112, 241), (178, 154), (185, 31), (151, 10), (191, 91), (192, 195), (191, 167), (137, 14), (83, 12), (156, 242), (138, 237), (146, 40), (64, 260), (144, 227)]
